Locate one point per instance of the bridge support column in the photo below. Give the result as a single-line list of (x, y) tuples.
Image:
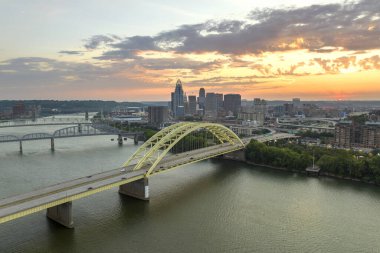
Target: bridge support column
[(52, 144), (137, 189), (136, 139), (238, 155), (20, 147), (79, 128), (61, 214), (120, 139)]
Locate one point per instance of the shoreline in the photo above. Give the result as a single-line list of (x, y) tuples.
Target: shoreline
[(322, 174)]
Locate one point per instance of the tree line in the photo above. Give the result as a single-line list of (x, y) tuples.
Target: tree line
[(337, 162)]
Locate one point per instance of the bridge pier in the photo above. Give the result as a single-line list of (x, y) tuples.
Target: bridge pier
[(120, 139), (52, 144), (137, 189), (136, 139), (61, 214), (238, 155), (79, 128), (20, 147)]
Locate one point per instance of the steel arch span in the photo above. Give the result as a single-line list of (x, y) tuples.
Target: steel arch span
[(155, 149)]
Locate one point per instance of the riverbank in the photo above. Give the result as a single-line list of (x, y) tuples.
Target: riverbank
[(321, 174), (342, 164)]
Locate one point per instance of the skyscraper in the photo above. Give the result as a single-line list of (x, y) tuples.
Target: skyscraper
[(211, 105), (297, 106), (177, 101), (192, 105), (202, 99), (232, 103), (157, 115), (219, 100), (260, 105)]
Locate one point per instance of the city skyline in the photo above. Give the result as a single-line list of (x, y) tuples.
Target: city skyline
[(276, 51)]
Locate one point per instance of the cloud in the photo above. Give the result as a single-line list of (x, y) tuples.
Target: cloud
[(335, 66), (37, 70), (41, 78), (318, 28), (70, 52), (98, 40), (370, 63)]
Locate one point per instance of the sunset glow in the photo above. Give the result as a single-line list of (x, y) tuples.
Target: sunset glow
[(271, 53)]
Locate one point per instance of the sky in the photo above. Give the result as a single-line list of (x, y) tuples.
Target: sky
[(136, 50)]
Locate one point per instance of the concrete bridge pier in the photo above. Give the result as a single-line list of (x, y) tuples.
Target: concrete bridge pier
[(137, 189), (120, 139), (80, 128), (52, 144), (62, 214), (20, 147), (136, 139), (238, 155)]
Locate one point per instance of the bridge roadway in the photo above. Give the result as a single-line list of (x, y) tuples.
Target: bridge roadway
[(51, 196)]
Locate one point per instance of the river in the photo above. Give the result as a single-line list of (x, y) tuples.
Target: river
[(210, 206)]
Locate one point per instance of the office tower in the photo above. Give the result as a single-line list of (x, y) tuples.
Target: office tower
[(192, 105), (219, 101), (260, 106), (177, 101), (157, 115), (232, 103), (211, 105), (202, 99), (297, 106)]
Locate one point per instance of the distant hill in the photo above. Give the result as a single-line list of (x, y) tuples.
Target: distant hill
[(69, 106), (155, 103)]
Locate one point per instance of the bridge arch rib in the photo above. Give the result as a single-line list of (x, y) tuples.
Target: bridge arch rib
[(154, 150), (9, 138), (36, 136)]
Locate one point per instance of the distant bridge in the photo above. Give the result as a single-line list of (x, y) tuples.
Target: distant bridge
[(151, 158), (79, 130), (310, 127), (43, 122)]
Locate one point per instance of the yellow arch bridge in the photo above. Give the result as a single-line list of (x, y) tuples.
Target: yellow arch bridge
[(132, 179)]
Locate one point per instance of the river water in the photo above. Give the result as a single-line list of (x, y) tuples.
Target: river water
[(210, 206)]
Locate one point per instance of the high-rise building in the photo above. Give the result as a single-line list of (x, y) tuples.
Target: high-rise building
[(232, 103), (297, 106), (289, 109), (177, 101), (219, 101), (260, 106), (157, 115), (192, 105), (255, 117), (371, 135), (278, 111), (211, 105), (202, 99), (353, 134), (343, 133), (297, 102)]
